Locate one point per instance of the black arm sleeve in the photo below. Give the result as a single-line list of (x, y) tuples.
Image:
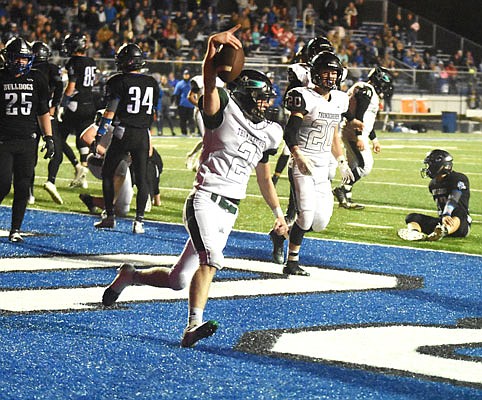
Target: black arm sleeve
[(363, 98), (348, 115), (372, 135), (291, 131)]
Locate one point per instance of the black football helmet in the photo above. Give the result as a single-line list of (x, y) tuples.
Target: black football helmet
[(311, 49), (381, 79), (41, 52), (316, 45), (248, 89), (326, 61), (129, 57), (437, 162), (74, 43), (15, 49)]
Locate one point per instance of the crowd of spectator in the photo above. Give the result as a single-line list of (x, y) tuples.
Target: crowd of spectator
[(177, 30)]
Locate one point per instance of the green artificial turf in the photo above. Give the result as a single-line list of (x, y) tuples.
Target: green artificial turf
[(392, 190)]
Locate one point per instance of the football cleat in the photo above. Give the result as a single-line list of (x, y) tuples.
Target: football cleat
[(80, 178), (438, 233), (52, 191), (124, 278), (193, 334), (278, 254), (340, 195), (352, 206), (138, 227), (293, 268), (411, 235), (15, 236), (107, 221)]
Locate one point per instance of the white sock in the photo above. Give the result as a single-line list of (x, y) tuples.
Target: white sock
[(195, 316)]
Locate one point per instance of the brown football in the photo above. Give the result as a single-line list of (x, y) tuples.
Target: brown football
[(229, 62)]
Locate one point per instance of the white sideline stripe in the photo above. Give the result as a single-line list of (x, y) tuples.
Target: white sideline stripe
[(415, 146), (77, 298), (410, 185), (369, 226), (168, 188)]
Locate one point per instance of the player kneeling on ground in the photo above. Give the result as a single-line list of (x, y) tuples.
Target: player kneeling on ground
[(451, 192)]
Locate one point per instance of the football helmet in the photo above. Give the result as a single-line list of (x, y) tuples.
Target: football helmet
[(311, 49), (129, 57), (381, 79), (250, 89), (73, 43), (316, 45), (437, 162), (15, 49), (326, 61), (41, 52)]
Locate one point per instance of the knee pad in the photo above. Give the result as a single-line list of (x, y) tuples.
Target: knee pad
[(320, 224), (305, 219)]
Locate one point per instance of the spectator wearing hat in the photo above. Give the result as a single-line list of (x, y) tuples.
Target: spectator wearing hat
[(185, 108)]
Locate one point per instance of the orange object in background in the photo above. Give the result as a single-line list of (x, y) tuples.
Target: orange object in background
[(422, 106), (407, 106)]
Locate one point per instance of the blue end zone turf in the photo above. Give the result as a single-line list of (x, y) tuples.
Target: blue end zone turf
[(371, 322)]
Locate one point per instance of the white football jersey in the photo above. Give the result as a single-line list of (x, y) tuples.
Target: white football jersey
[(301, 72), (370, 114), (320, 120), (232, 150)]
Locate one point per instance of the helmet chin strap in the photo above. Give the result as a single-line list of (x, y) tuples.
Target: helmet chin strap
[(244, 102)]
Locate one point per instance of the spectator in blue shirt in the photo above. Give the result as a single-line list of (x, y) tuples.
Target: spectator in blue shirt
[(110, 12), (185, 108), (274, 112)]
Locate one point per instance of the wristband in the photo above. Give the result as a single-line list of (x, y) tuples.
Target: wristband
[(103, 125), (341, 159), (277, 212)]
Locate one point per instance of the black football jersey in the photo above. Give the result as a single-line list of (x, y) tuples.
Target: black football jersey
[(53, 74), (441, 190), (22, 99), (82, 69), (137, 95)]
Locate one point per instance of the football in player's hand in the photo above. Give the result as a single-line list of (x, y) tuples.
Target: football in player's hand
[(228, 62)]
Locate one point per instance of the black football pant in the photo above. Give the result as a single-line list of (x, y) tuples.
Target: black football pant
[(17, 162), (186, 119), (136, 143)]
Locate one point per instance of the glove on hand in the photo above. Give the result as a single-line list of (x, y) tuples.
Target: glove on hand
[(345, 171), (48, 147)]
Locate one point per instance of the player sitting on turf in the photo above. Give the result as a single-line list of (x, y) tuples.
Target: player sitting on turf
[(450, 191)]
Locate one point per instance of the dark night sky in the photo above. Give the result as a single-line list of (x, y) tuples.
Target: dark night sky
[(461, 16)]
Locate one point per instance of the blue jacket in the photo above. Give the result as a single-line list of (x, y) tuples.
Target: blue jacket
[(182, 90)]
